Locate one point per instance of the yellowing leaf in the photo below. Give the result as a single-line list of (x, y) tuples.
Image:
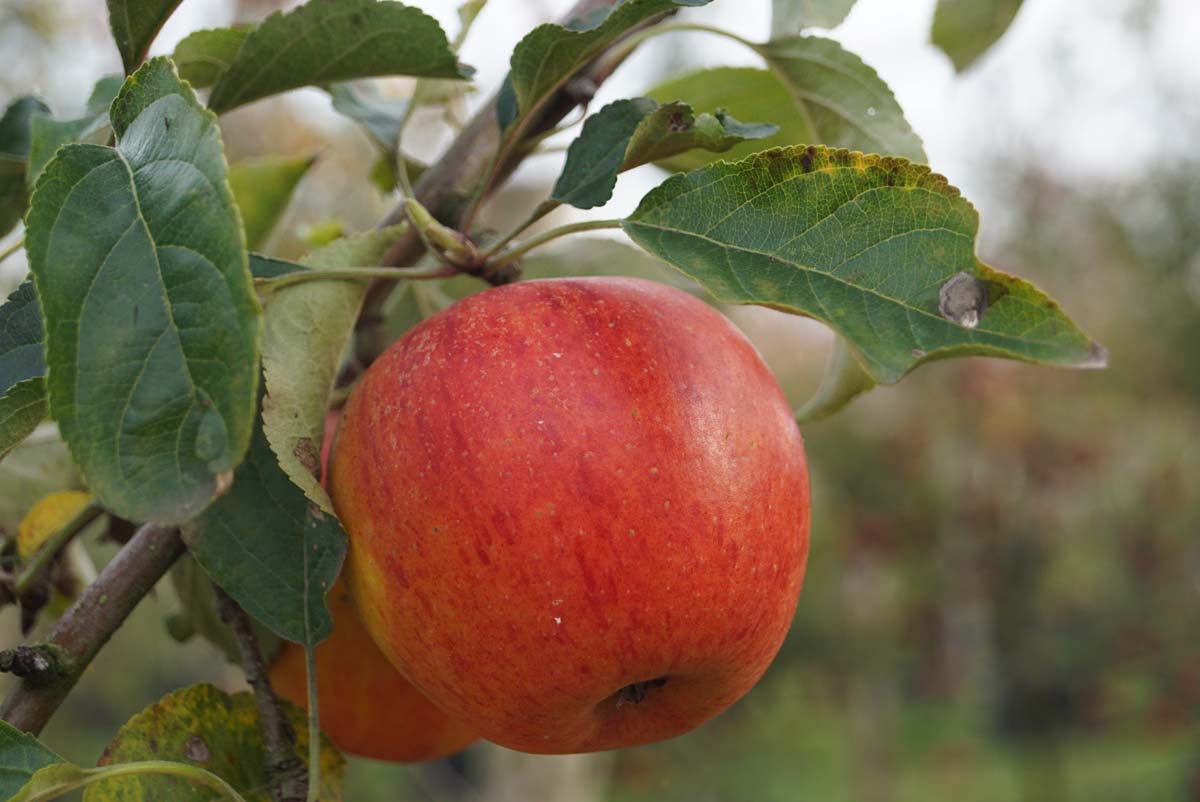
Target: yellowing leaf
[(46, 517)]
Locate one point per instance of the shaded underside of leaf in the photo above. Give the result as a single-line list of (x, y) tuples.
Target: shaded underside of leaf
[(550, 53), (307, 328), (151, 319), (862, 243), (49, 133), (965, 29), (205, 726), (134, 24), (22, 351), (324, 41), (263, 188), (203, 56), (22, 408)]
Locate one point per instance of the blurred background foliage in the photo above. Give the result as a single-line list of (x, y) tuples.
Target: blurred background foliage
[(1002, 594)]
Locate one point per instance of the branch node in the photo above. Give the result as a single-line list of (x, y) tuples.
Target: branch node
[(39, 665)]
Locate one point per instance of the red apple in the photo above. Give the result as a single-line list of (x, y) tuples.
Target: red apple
[(578, 512), (367, 708)]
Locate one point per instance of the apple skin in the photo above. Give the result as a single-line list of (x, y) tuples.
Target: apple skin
[(560, 493), (367, 708)]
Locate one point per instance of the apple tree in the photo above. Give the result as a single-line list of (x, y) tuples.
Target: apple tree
[(190, 374)]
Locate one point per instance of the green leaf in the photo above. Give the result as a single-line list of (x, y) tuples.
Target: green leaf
[(629, 133), (380, 115), (843, 102), (151, 318), (674, 128), (789, 17), (270, 548), (747, 93), (20, 756), (550, 54), (880, 249), (324, 41), (198, 614), (263, 188), (52, 782), (202, 726), (203, 56), (308, 327), (595, 157), (15, 137), (965, 29), (601, 256), (266, 267), (21, 338), (49, 134), (22, 408), (22, 367), (134, 25)]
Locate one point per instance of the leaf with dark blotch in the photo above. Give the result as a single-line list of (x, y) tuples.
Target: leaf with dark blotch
[(965, 29), (15, 139), (263, 189), (869, 245), (20, 756), (152, 321), (134, 24), (49, 133), (324, 41), (550, 54), (270, 548), (628, 133), (202, 725), (790, 17), (674, 128), (203, 56), (307, 328), (843, 102)]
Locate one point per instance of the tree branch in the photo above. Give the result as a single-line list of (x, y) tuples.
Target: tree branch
[(445, 187), (285, 771), (91, 621)]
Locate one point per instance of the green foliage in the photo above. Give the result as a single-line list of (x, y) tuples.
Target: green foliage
[(202, 725), (790, 17), (747, 93), (134, 25), (263, 188), (22, 367), (307, 329), (324, 41), (270, 548), (381, 117), (152, 324), (203, 56), (15, 140), (629, 133), (865, 244), (49, 133), (20, 756), (550, 54), (198, 614), (843, 102), (965, 29)]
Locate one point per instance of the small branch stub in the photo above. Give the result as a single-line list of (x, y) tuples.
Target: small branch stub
[(39, 665)]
